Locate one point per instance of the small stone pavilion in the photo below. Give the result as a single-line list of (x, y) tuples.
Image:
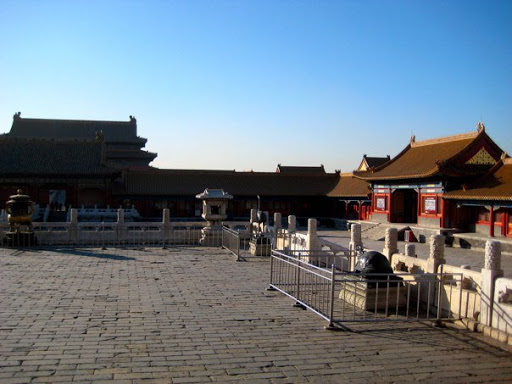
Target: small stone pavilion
[(215, 203)]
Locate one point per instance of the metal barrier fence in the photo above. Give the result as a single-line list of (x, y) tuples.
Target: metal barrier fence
[(310, 286), (398, 297), (243, 245), (232, 241), (340, 297), (341, 260)]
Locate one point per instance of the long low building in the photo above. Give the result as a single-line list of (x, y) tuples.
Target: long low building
[(302, 194)]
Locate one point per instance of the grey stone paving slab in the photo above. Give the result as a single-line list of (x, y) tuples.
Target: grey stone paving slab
[(195, 315)]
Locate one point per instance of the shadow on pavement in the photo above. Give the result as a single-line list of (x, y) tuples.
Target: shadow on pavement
[(90, 253)]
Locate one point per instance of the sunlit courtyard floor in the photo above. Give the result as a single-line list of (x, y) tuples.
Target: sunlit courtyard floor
[(196, 315)]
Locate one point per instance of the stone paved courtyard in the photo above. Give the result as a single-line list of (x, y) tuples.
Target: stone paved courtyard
[(195, 315)]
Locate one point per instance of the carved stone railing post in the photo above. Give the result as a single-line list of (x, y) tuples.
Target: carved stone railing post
[(390, 243), (436, 255), (355, 237), (292, 229), (355, 243), (312, 243), (120, 228), (166, 223), (73, 226), (490, 272), (410, 250), (312, 237), (278, 223), (292, 223)]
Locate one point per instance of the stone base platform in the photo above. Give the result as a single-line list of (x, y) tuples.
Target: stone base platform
[(260, 249), (371, 296)]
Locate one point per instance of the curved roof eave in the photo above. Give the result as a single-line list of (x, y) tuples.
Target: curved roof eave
[(477, 197), (433, 172)]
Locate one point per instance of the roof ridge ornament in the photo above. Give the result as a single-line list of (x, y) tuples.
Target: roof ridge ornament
[(480, 127), (17, 116), (413, 139)]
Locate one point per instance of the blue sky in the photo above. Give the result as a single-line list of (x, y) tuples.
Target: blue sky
[(250, 84)]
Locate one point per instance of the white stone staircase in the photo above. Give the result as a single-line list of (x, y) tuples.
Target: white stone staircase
[(377, 231), (373, 231)]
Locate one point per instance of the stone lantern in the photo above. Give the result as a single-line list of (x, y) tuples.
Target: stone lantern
[(215, 204), (19, 209)]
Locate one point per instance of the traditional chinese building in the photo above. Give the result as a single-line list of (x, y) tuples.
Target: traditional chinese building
[(293, 169), (62, 163), (354, 193), (485, 204), (411, 187), (56, 173), (369, 162), (123, 148)]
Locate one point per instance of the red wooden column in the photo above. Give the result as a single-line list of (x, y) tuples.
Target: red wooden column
[(443, 213), (491, 214), (418, 206), (504, 223), (390, 205), (508, 223)]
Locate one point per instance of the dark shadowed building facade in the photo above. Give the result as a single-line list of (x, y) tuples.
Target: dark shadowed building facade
[(78, 163), (301, 194), (57, 173), (65, 163)]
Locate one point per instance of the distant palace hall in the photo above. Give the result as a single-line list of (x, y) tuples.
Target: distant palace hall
[(461, 182)]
